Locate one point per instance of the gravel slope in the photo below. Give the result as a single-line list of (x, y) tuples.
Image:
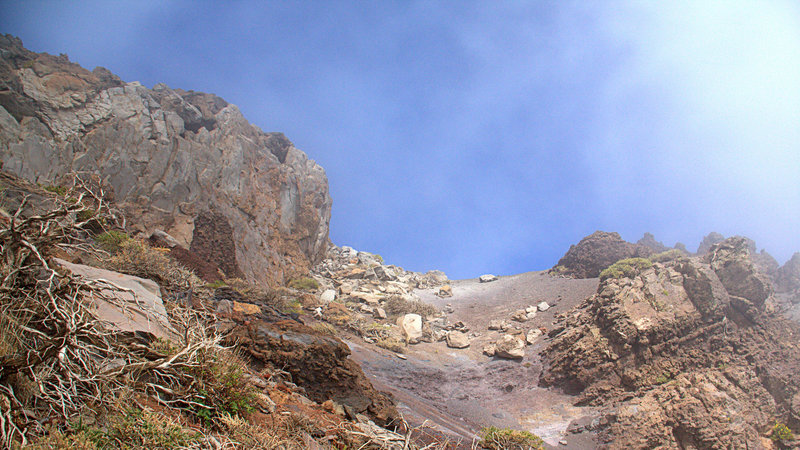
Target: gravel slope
[(462, 390)]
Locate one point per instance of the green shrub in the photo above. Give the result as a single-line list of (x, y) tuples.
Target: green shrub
[(629, 268), (129, 429), (780, 432), (221, 387), (305, 283), (507, 438), (663, 378), (112, 240), (58, 190), (669, 255), (292, 306), (216, 284)]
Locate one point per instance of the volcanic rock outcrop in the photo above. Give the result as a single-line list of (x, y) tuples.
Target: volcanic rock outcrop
[(688, 353), (184, 162), (596, 252)]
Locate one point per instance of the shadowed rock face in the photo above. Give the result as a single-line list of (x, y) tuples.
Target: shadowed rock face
[(169, 156), (688, 353), (596, 252)]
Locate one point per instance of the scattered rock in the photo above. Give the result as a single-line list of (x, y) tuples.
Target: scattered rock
[(489, 349), (510, 347), (411, 325), (496, 324), (520, 316), (445, 291), (379, 313), (533, 335), (488, 278), (457, 339), (328, 296), (543, 306)]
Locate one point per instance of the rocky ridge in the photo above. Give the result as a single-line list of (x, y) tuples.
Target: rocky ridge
[(187, 163), (688, 353)]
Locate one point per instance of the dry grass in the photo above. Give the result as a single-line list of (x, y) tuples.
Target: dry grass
[(397, 306), (135, 257)]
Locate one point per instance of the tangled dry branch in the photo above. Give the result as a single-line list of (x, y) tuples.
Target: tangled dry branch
[(57, 356)]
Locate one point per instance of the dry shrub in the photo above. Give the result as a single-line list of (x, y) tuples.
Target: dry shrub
[(135, 257), (397, 306)]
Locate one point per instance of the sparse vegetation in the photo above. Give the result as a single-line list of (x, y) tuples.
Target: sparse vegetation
[(629, 268), (216, 284), (663, 378), (507, 438), (780, 432), (135, 257), (669, 255), (397, 306), (58, 190), (112, 240), (324, 329), (304, 283)]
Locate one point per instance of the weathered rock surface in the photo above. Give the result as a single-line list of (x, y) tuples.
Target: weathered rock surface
[(457, 339), (320, 364), (186, 163), (487, 278), (411, 325), (685, 354), (509, 347), (649, 241), (596, 252), (126, 302), (709, 240), (788, 276)]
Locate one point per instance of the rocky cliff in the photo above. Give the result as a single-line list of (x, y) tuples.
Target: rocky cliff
[(686, 353), (187, 163)]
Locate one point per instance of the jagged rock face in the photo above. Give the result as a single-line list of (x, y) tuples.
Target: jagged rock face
[(688, 353), (174, 160), (649, 241), (788, 276), (596, 252), (709, 240)]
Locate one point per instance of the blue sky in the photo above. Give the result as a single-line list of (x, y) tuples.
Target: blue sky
[(480, 137)]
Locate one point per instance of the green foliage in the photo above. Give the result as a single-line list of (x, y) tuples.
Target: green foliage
[(292, 306), (669, 255), (112, 240), (780, 432), (132, 428), (305, 283), (85, 215), (379, 258), (217, 284), (221, 387), (663, 378), (507, 438), (58, 190), (626, 268)]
